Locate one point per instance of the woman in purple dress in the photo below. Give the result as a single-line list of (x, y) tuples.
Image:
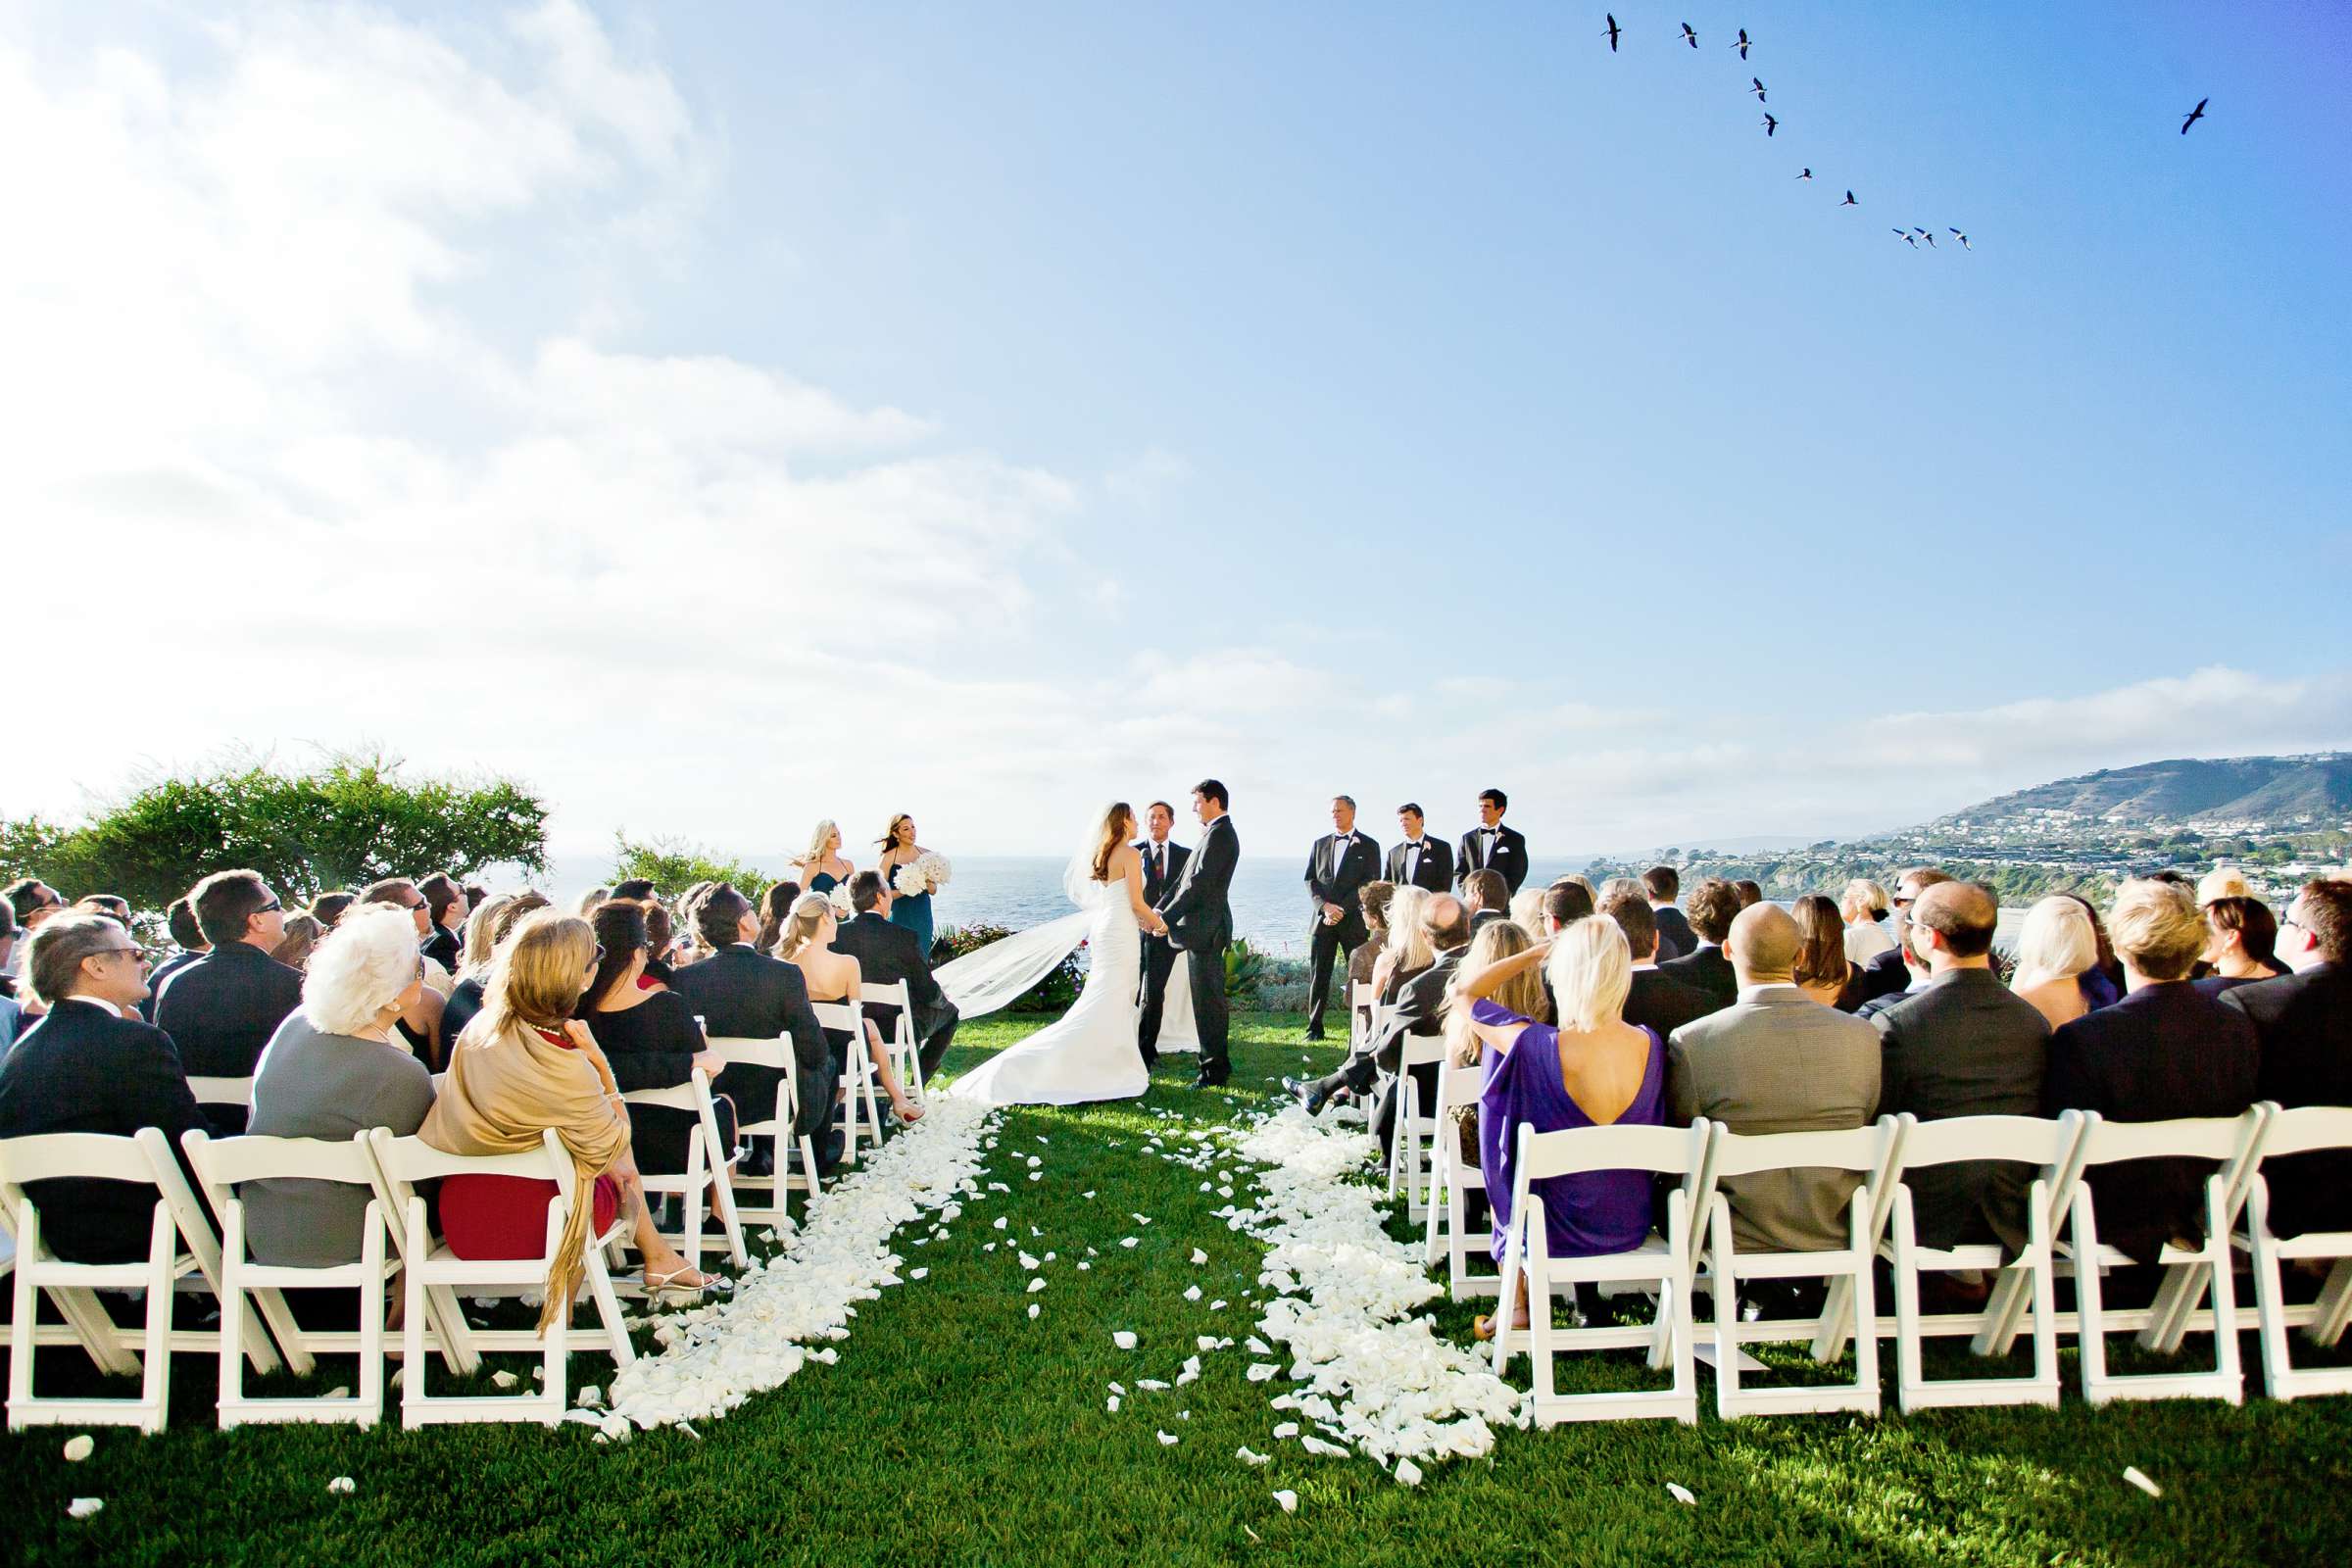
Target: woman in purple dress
[(1592, 1071)]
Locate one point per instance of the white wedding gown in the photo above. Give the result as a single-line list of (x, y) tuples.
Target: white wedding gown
[(1090, 1052)]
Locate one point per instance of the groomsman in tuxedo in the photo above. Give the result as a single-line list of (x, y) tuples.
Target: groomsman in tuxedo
[(1419, 862), (1342, 861), (1491, 844), (1163, 866), (1200, 919)]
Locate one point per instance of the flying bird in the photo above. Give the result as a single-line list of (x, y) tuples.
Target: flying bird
[(1908, 238), (1741, 43), (1930, 238), (1614, 29), (1756, 84), (1770, 125), (1689, 37), (1805, 174), (2194, 114), (1849, 200), (1963, 239)]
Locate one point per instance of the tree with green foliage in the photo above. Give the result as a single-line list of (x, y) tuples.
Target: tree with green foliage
[(672, 867), (348, 824)]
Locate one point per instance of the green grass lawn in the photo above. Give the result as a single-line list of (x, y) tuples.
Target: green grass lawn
[(955, 1429)]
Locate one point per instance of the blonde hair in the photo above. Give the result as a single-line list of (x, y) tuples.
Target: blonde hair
[(1526, 911), (2055, 943), (1862, 897), (1406, 940), (2156, 928), (536, 980), (592, 898), (799, 928), (2222, 882), (1522, 993), (361, 967), (481, 940), (1590, 969), (820, 843), (1118, 820)]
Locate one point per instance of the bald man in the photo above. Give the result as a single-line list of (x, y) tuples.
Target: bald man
[(1776, 1061), (1962, 1046)]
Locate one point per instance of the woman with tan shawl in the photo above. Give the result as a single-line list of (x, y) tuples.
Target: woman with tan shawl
[(525, 1065)]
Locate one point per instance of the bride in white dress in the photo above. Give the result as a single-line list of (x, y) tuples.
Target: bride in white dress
[(1091, 1052)]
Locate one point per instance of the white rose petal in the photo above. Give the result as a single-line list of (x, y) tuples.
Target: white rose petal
[(1263, 1371), (343, 1485), (1000, 1224), (1682, 1494), (80, 1448), (1036, 1286), (83, 1507), (2140, 1478), (1289, 1502), (1152, 1385), (504, 1380), (1124, 1339), (1192, 1292), (918, 1273), (1167, 1440), (1247, 1456), (1409, 1472), (1199, 1256), (1126, 1241), (1034, 1309)]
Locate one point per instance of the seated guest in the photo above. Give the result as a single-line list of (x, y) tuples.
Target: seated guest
[(1663, 884), (1776, 1061), (1862, 907), (660, 940), (776, 908), (1750, 892), (1823, 970), (1526, 911), (2161, 1053), (1714, 905), (327, 908), (335, 1066), (2304, 1023), (92, 1066), (1565, 902), (113, 906), (1487, 895), (486, 930), (527, 1066), (635, 890), (221, 1010), (1406, 951), (1373, 898), (1887, 972), (421, 1024), (740, 993), (1913, 964), (2222, 882), (11, 1012), (808, 946), (1963, 1046), (689, 949), (2242, 944), (1594, 1069), (888, 953), (649, 1039), (301, 939), (1420, 1000), (188, 937), (2056, 947), (446, 909), (591, 900), (1654, 1000), (2103, 982)]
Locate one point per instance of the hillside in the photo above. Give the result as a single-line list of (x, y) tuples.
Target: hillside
[(2276, 792)]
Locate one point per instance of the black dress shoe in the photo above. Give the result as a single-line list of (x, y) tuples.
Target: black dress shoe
[(1204, 1081), (1310, 1094), (1314, 1036)]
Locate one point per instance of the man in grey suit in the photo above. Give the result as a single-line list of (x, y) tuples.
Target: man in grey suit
[(1776, 1061), (1963, 1046)]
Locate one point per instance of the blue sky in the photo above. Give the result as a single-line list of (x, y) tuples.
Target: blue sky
[(728, 416)]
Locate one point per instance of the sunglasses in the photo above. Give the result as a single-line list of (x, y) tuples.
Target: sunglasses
[(271, 907)]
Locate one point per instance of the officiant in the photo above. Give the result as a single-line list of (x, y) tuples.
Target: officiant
[(1342, 861)]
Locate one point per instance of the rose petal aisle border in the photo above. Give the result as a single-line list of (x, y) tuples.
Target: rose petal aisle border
[(715, 1357), (1375, 1372)]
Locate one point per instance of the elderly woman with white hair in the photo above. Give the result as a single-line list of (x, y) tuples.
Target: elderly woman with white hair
[(1862, 904), (337, 1065)]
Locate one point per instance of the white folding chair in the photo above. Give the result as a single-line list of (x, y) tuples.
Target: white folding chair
[(1663, 1261), (2046, 1145), (144, 1159), (1363, 1000), (221, 1165), (906, 1051), (774, 1121), (2298, 1132), (710, 1168), (858, 1099), (1866, 1152), (236, 1092), (403, 1162), (2235, 1145), (1452, 1179), (1416, 1131)]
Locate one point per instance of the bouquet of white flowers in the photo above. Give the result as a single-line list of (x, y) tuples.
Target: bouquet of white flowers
[(839, 897), (927, 872)]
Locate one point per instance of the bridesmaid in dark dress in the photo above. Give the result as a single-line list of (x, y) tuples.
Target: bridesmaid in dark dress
[(649, 1038), (911, 911), (823, 868)]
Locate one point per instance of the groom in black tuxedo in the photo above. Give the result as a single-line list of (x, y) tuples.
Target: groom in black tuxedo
[(1420, 861), (1163, 868), (1342, 861), (1199, 922), (1491, 844)]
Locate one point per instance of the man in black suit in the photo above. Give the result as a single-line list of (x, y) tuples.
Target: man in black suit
[(1487, 896), (1963, 1046), (2161, 1051), (886, 954), (1655, 999), (1888, 972), (2304, 1021), (445, 907), (1420, 861), (1342, 861), (740, 992), (1163, 869), (1199, 920), (1419, 1009), (221, 1010), (188, 937), (1675, 938), (1714, 906), (92, 1066), (1491, 844)]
